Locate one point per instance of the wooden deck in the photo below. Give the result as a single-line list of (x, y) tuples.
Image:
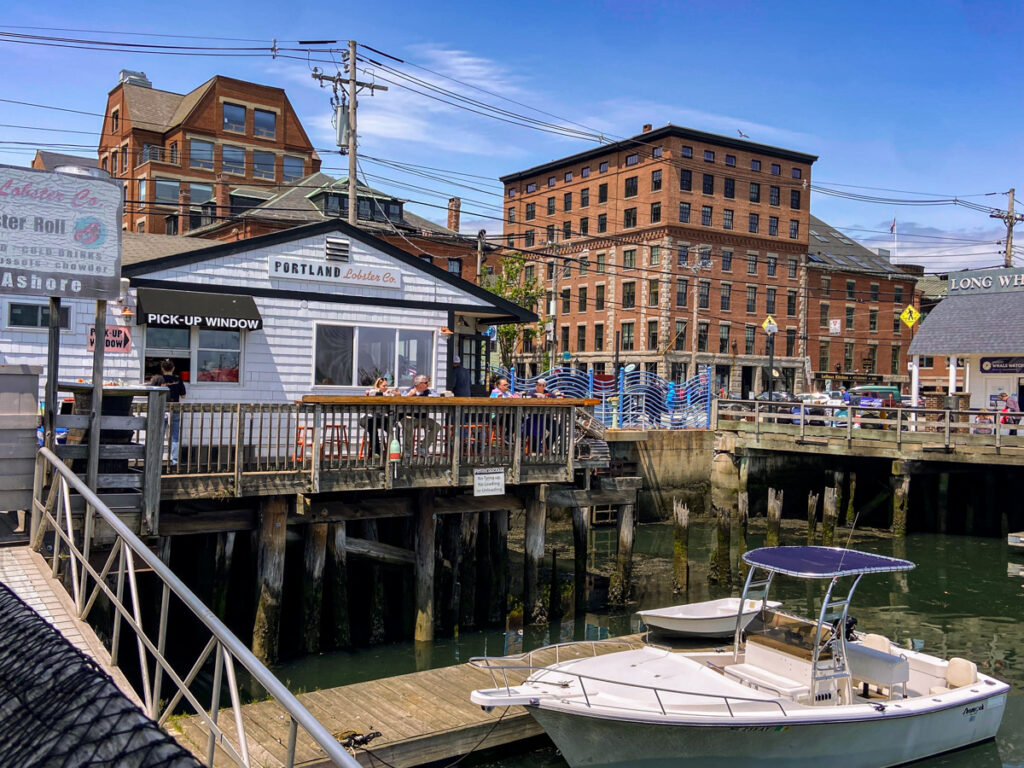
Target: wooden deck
[(26, 573), (422, 716)]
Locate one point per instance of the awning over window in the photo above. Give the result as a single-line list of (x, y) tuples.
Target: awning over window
[(184, 309)]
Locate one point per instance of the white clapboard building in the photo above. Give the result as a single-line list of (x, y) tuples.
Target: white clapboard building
[(320, 309)]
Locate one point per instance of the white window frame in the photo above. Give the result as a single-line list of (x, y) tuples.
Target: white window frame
[(32, 302), (193, 350), (355, 357)]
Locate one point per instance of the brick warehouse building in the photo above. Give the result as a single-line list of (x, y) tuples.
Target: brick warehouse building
[(178, 153), (630, 225)]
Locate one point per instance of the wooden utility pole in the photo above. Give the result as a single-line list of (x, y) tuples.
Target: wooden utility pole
[(1009, 219), (350, 144)]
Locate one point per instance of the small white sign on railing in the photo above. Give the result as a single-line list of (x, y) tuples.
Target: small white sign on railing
[(489, 481)]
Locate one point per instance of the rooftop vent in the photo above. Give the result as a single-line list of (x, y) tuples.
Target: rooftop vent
[(647, 128), (131, 77), (337, 249)]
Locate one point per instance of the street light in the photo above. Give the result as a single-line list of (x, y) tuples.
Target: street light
[(771, 329)]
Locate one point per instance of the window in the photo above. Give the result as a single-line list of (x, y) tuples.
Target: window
[(702, 337), (551, 181), (200, 154), (511, 215), (823, 356), (683, 254), (790, 302), (115, 121), (655, 213), (549, 234), (794, 229), (652, 334), (848, 356), (567, 201), (730, 188), (113, 162), (584, 226), (551, 206), (730, 160), (773, 226), (264, 124), (629, 218), (769, 300), (124, 158), (871, 358), (653, 292), (791, 269), (773, 195), (655, 181), (35, 316), (748, 339), (826, 285), (926, 361), (292, 168), (684, 213), (874, 291), (894, 365), (598, 337), (755, 165), (585, 172), (794, 199), (723, 339), (797, 173), (680, 338), (528, 344), (455, 267), (632, 184), (584, 263), (529, 273), (727, 218), (629, 258), (705, 215), (753, 224), (776, 169), (603, 167), (751, 263), (686, 151), (566, 301), (568, 176), (511, 192), (709, 156), (582, 302), (685, 180), (897, 324), (581, 338), (103, 164), (873, 320), (529, 238), (703, 294), (585, 197), (531, 187), (565, 339), (142, 193), (232, 160), (755, 192), (708, 186), (171, 224), (704, 257), (599, 297), (602, 193), (897, 294), (628, 295), (851, 290), (726, 297), (531, 211), (234, 118), (172, 151), (600, 262), (632, 159), (773, 263), (165, 191), (656, 152), (566, 230), (682, 289), (263, 166), (849, 318), (726, 261), (790, 342), (626, 339), (655, 255)]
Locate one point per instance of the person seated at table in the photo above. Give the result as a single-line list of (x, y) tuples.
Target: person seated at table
[(540, 390), (377, 422), (501, 388), (420, 388)]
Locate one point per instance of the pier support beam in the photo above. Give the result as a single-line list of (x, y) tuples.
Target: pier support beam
[(741, 540), (424, 631), (771, 539), (812, 517), (448, 562), (851, 511), (580, 538), (681, 546), (498, 567), (375, 589), (467, 570), (273, 524), (225, 550), (829, 517), (942, 501), (621, 585), (313, 558), (337, 568), (900, 492), (533, 553)]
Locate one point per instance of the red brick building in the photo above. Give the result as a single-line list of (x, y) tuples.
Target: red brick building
[(178, 153), (668, 249)]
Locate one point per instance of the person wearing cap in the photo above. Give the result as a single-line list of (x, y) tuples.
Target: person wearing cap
[(1010, 405), (540, 390), (460, 378)]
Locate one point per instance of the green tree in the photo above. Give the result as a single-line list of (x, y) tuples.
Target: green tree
[(510, 282)]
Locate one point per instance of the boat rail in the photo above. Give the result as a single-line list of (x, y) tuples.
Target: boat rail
[(485, 662), (223, 646)]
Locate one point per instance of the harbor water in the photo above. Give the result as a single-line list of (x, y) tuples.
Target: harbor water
[(963, 599)]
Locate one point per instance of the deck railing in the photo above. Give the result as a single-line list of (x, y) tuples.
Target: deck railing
[(165, 689)]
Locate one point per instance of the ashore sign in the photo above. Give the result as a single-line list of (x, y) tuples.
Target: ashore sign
[(60, 234)]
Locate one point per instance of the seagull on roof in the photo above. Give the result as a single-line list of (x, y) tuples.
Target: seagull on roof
[(742, 134)]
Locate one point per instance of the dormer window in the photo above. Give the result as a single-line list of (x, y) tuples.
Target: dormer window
[(115, 121)]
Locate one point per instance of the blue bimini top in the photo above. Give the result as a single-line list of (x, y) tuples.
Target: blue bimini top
[(823, 562)]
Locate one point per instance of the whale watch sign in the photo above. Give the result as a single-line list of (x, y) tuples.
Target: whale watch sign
[(60, 234)]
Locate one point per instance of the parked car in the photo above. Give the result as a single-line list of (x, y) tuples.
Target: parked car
[(884, 398)]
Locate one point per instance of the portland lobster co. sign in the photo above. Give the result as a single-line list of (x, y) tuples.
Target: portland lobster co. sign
[(60, 234), (986, 281)]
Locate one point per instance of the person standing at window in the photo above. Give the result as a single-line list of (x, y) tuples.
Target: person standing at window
[(460, 378), (175, 393)]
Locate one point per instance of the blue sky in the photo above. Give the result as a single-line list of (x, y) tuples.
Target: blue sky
[(906, 100)]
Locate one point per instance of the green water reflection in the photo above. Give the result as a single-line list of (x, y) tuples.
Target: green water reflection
[(958, 602)]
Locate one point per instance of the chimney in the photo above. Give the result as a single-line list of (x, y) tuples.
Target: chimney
[(454, 207), (131, 77), (222, 197), (647, 128), (184, 203)]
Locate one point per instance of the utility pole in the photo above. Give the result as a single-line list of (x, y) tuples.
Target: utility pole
[(1009, 218), (347, 139), (480, 255), (555, 298)]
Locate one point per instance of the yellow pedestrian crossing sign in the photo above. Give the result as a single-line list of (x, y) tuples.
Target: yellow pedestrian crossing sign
[(909, 316), (769, 324)]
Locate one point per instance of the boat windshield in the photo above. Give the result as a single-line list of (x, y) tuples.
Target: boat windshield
[(822, 562)]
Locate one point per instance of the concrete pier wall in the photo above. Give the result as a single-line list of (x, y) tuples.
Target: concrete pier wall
[(675, 464)]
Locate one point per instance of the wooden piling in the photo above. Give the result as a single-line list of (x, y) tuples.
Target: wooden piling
[(829, 517), (498, 567), (722, 552), (273, 525), (375, 590), (313, 556), (942, 501), (743, 502), (533, 553), (580, 527), (224, 552), (851, 498), (621, 585), (774, 518), (467, 570), (424, 568), (812, 517), (337, 569), (447, 579), (680, 550), (554, 590), (900, 492)]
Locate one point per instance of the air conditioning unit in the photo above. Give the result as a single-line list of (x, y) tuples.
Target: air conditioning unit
[(337, 249)]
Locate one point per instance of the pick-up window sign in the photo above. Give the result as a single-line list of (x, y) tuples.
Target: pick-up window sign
[(118, 340)]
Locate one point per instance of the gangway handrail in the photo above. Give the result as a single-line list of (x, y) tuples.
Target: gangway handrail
[(228, 647)]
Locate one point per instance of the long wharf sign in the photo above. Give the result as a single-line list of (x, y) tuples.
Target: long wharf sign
[(986, 281), (338, 273), (60, 234)]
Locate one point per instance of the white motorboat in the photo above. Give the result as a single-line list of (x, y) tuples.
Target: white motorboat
[(799, 692), (711, 618), (1016, 540)]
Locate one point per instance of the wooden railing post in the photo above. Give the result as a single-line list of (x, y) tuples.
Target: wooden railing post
[(239, 448), (152, 462), (456, 438), (517, 443), (318, 443)]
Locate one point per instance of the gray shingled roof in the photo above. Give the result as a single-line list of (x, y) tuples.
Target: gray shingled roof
[(933, 286), (51, 160), (137, 248), (991, 323), (150, 109), (828, 248)]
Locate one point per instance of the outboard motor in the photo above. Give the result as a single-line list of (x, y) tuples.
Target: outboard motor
[(848, 628)]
